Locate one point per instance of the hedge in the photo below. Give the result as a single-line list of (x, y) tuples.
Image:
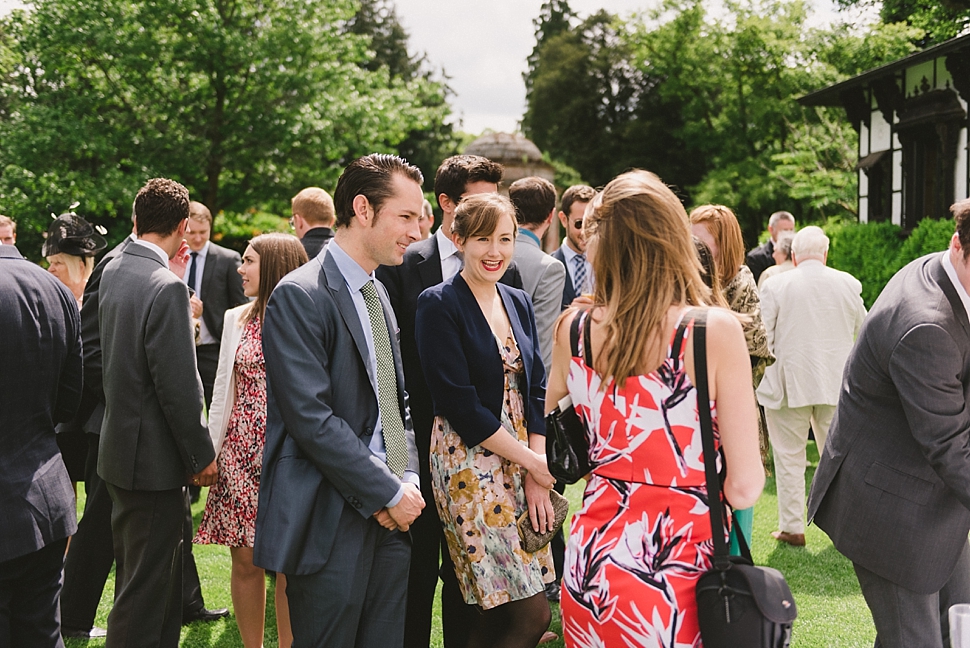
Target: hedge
[(234, 231), (874, 252)]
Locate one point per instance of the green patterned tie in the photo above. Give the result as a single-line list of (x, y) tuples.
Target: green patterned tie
[(395, 440)]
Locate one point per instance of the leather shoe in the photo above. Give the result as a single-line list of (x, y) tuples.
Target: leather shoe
[(77, 633), (794, 539), (204, 615)]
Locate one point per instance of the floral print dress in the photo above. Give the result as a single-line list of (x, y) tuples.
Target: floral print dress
[(479, 496), (229, 518), (643, 536)]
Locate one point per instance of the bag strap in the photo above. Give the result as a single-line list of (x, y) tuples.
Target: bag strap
[(582, 318), (587, 339), (721, 559), (574, 334)]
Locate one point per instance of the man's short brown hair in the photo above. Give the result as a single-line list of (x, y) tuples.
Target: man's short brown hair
[(199, 212), (370, 176), (315, 206), (160, 206), (534, 199), (576, 194), (961, 214), (459, 171)]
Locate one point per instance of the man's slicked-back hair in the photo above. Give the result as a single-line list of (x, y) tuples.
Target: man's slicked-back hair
[(458, 171), (160, 206), (370, 176), (534, 199), (961, 214), (576, 194)]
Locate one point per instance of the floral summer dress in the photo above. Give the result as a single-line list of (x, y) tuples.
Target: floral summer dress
[(643, 535), (480, 496), (230, 511)]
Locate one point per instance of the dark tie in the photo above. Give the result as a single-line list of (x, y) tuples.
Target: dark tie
[(580, 262), (395, 440), (195, 255)]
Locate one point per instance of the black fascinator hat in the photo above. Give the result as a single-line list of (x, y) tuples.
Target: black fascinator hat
[(71, 234)]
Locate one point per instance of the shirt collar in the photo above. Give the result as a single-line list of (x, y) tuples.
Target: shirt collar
[(201, 254), (446, 247), (951, 272), (353, 274), (529, 234), (154, 248), (568, 252)]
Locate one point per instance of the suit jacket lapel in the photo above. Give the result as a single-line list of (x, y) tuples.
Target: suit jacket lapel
[(429, 269), (943, 279), (347, 309), (208, 272)]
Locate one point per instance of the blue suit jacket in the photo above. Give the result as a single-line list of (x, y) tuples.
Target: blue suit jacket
[(40, 385), (568, 290), (462, 364), (321, 413)]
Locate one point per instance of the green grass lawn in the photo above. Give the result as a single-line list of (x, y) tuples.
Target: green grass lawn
[(831, 610)]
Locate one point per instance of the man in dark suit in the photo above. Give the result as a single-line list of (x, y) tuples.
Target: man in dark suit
[(311, 217), (212, 275), (87, 566), (153, 437), (40, 385), (339, 485), (427, 263), (572, 252), (892, 488), (760, 258)]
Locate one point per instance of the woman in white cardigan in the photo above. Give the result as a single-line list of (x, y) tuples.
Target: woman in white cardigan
[(237, 424)]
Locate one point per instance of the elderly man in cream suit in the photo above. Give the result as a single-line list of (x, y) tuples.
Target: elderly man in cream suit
[(812, 315)]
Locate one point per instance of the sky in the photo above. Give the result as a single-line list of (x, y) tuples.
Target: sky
[(484, 51)]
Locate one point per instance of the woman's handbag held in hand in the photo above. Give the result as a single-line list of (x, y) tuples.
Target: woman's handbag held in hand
[(567, 447)]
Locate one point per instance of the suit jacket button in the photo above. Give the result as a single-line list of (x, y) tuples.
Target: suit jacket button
[(355, 502)]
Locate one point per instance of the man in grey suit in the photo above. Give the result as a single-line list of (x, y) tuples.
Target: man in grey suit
[(153, 437), (892, 488), (340, 484), (543, 277), (40, 385)]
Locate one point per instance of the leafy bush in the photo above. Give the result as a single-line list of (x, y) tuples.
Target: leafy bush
[(234, 231), (874, 252)]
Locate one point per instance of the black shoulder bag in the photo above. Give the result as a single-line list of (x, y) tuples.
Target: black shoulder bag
[(567, 448), (738, 604)]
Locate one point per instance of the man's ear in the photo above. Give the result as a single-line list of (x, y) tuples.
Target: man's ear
[(446, 203), (564, 219), (183, 226), (362, 209)]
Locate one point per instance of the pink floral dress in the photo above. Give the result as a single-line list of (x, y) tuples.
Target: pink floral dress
[(479, 496), (229, 518), (643, 536)]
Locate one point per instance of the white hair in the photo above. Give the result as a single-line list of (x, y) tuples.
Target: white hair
[(810, 241), (783, 244), (781, 215)]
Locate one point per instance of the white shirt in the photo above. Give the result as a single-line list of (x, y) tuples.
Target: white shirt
[(951, 272), (205, 337), (450, 262), (355, 277), (569, 254), (154, 248)]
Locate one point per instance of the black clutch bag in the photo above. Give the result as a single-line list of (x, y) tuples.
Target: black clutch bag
[(567, 448)]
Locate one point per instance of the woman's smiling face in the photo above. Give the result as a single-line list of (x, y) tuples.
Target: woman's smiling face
[(488, 256)]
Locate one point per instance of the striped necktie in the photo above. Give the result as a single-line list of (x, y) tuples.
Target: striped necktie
[(579, 261), (395, 440)]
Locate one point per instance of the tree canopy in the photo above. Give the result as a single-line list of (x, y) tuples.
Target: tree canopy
[(243, 101)]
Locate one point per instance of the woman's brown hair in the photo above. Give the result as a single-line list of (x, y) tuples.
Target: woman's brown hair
[(479, 215), (644, 263), (723, 226), (279, 254)]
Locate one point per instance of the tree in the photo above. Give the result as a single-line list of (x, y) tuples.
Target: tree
[(243, 101), (936, 20)]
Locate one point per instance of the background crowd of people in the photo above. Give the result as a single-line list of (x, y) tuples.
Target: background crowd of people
[(365, 401)]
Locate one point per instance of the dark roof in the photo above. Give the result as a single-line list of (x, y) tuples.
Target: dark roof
[(831, 95)]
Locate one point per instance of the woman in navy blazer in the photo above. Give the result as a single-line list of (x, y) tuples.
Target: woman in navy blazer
[(478, 346)]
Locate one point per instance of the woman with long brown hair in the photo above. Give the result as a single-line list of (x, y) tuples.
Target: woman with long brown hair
[(643, 535), (237, 424)]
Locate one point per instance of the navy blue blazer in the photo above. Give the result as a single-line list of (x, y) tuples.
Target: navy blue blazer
[(461, 361), (568, 290)]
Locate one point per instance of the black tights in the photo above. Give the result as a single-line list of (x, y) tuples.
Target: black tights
[(519, 624)]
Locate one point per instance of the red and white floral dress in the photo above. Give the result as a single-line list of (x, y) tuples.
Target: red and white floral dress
[(643, 535)]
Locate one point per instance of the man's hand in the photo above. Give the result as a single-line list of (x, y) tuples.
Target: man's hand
[(409, 508), (195, 304), (385, 520), (180, 261), (582, 302), (207, 477)]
